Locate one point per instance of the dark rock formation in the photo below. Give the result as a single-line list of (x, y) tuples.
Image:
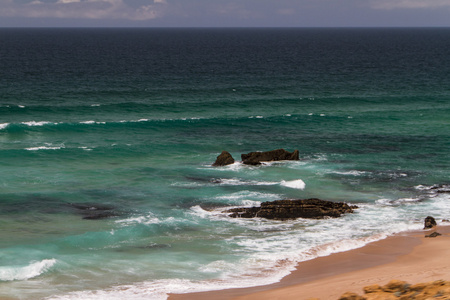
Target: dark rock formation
[(255, 158), (293, 209), (430, 222), (441, 188), (432, 235), (223, 159)]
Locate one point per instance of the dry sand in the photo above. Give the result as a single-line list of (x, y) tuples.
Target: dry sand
[(410, 257)]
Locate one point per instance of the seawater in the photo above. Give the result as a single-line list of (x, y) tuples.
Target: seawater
[(127, 122)]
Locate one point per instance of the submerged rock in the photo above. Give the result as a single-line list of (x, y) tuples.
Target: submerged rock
[(94, 211), (293, 209), (430, 222), (255, 158), (223, 159)]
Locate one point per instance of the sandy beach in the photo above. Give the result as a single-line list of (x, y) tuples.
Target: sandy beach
[(408, 256)]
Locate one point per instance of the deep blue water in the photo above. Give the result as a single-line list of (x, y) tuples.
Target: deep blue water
[(129, 121)]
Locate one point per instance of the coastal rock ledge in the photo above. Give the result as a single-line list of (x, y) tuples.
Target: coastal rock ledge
[(293, 209), (255, 158)]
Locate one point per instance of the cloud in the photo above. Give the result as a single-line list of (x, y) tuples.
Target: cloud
[(67, 1), (85, 9), (411, 4)]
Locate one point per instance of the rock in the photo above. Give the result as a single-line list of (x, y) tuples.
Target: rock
[(223, 159), (94, 211), (255, 158), (372, 289), (432, 235), (441, 188), (99, 216), (395, 286), (293, 209), (401, 290), (430, 222)]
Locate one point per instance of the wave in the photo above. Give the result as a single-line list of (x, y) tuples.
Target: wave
[(263, 265), (88, 124), (34, 123), (54, 121), (32, 270), (294, 184), (272, 248), (44, 148)]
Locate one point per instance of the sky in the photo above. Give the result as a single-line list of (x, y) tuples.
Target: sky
[(224, 13)]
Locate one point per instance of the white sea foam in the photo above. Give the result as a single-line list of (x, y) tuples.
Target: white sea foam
[(294, 184), (238, 197), (34, 123), (3, 125), (85, 148), (44, 148), (271, 255), (21, 106), (385, 201), (272, 249), (148, 219), (234, 181), (32, 270), (90, 122), (351, 172)]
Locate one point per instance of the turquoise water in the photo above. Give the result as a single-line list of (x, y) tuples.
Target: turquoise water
[(123, 125)]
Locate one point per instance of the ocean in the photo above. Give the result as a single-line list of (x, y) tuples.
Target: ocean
[(107, 137)]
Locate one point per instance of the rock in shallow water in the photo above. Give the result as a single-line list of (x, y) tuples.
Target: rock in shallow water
[(293, 209), (223, 159), (429, 222), (94, 211), (255, 158)]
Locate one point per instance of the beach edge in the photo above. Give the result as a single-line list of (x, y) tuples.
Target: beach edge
[(408, 256)]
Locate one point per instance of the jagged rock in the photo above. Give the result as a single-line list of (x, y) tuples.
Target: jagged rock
[(396, 286), (223, 159), (430, 222), (293, 209), (432, 235), (374, 288), (255, 158)]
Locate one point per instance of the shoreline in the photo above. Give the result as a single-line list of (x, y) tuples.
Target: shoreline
[(407, 256)]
